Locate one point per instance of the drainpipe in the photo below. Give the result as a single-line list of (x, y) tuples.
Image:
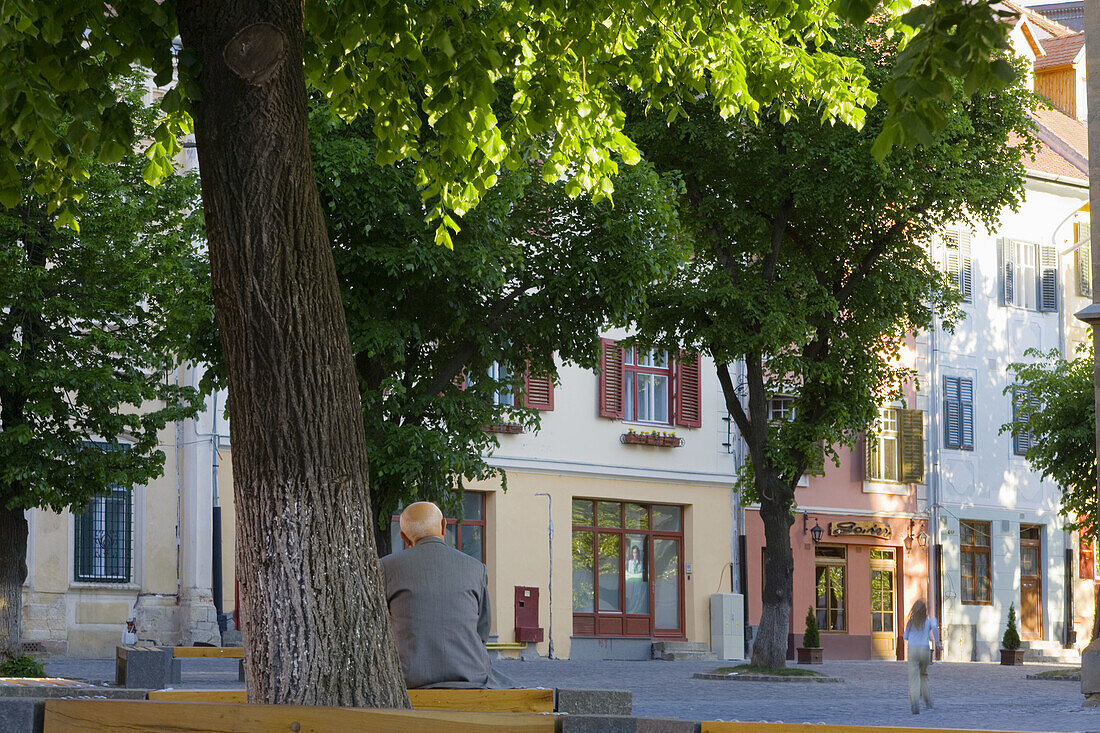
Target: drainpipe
[(216, 515), (934, 595), (550, 585)]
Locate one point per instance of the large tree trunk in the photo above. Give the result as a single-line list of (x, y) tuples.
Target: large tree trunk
[(769, 647), (315, 621), (13, 571)]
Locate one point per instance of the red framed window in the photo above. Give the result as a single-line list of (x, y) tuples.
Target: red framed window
[(628, 569), (646, 385)]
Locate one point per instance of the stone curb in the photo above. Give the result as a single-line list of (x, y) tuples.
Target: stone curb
[(764, 678), (1057, 678), (84, 691)]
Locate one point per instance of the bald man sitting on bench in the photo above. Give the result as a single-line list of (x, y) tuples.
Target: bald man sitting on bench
[(439, 606)]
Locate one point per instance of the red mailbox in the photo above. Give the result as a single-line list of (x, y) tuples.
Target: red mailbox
[(527, 614)]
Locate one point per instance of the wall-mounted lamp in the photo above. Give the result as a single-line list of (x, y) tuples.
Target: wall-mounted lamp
[(908, 541), (922, 539), (816, 532)]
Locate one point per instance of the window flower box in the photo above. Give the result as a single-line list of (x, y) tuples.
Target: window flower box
[(508, 428), (655, 439)]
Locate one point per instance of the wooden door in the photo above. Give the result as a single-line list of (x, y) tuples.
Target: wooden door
[(1031, 582), (884, 631)]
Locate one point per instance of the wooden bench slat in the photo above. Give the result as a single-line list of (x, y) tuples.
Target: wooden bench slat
[(233, 696), (224, 652), (497, 701), (123, 716), (738, 727), (487, 701)]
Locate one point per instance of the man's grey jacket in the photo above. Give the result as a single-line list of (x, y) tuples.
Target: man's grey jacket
[(439, 605)]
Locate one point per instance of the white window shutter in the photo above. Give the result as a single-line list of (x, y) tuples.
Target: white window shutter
[(1083, 259), (1007, 250), (965, 277)]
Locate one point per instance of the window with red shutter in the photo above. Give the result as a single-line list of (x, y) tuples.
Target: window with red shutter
[(611, 379), (538, 392), (689, 413)]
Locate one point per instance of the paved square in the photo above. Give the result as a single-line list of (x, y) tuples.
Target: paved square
[(966, 695)]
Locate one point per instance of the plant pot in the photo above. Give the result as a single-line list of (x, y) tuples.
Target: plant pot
[(1012, 656), (809, 655)]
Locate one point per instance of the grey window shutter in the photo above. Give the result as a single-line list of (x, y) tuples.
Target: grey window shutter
[(965, 278), (952, 430), (1007, 250), (966, 413), (1022, 440), (912, 446), (1083, 258), (1048, 278)]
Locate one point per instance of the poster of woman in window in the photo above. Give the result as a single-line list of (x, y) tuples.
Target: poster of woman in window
[(637, 588)]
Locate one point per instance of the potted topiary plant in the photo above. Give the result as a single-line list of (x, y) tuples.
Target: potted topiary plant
[(810, 651), (1011, 653)]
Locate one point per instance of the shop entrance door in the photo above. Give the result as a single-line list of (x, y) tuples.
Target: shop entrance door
[(1031, 582), (884, 634)]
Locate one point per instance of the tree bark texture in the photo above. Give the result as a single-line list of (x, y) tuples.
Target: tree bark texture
[(776, 496), (315, 621), (13, 572), (769, 646)]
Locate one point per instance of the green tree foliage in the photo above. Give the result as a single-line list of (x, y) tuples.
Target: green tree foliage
[(810, 269), (534, 273), (1011, 639), (22, 666), (429, 75), (1054, 403), (90, 325)]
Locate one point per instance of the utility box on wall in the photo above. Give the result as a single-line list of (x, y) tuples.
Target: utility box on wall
[(727, 625), (527, 614)]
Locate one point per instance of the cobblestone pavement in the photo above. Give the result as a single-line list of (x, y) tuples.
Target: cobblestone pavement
[(970, 696)]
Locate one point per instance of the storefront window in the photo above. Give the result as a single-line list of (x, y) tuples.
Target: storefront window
[(831, 590), (626, 568)]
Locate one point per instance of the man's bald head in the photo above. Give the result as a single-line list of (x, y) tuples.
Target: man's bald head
[(420, 520)]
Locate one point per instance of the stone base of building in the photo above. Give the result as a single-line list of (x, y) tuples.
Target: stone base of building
[(89, 622), (197, 620), (45, 627)]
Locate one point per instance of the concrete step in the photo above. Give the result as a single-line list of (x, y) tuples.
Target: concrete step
[(1049, 652), (674, 651), (688, 657)]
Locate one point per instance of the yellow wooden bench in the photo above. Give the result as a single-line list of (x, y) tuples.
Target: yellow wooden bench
[(488, 701), (124, 716), (733, 727)]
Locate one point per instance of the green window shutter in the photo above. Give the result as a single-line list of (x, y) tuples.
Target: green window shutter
[(870, 457), (1048, 278), (911, 424)]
